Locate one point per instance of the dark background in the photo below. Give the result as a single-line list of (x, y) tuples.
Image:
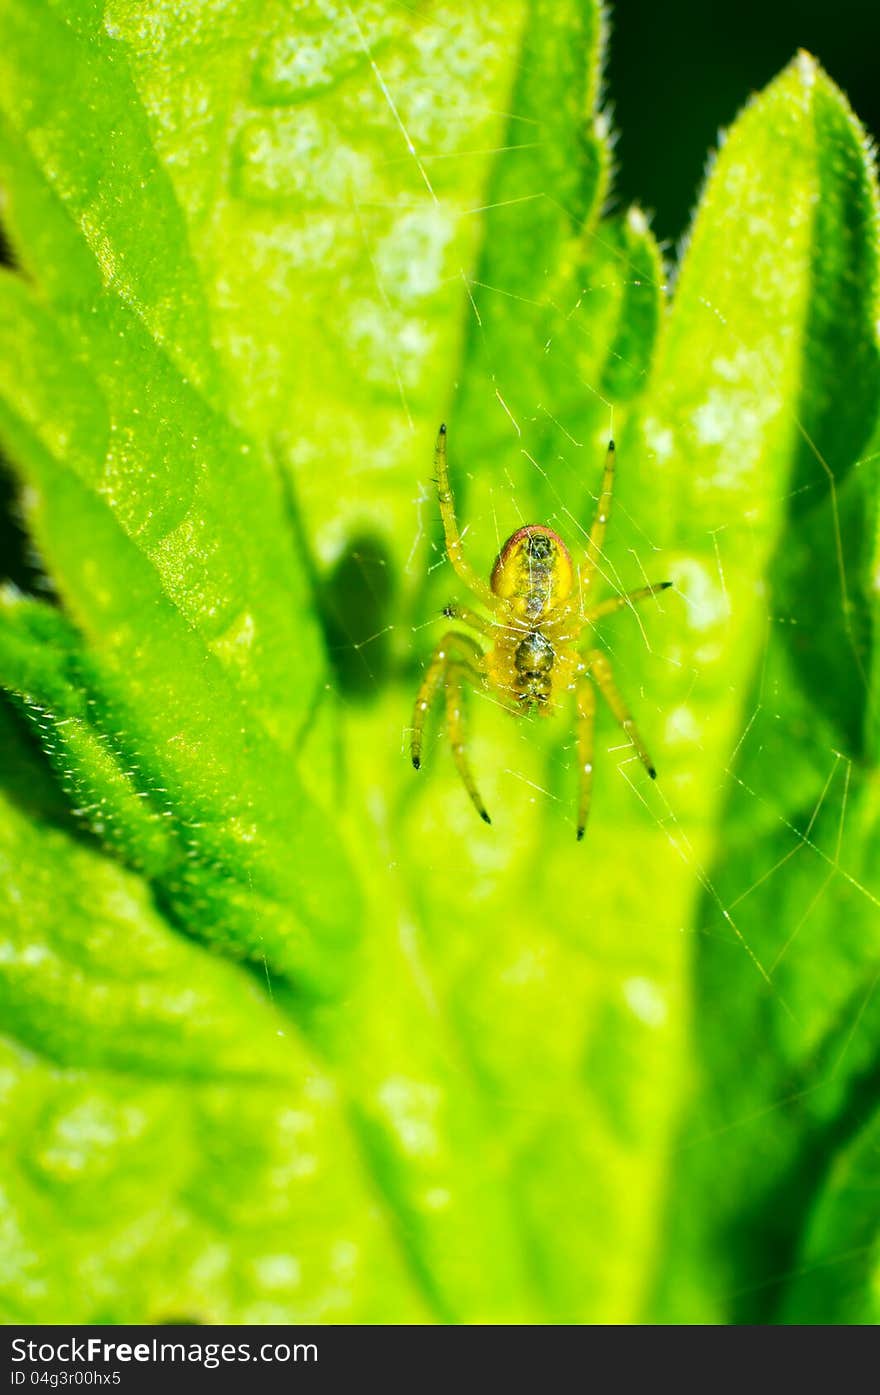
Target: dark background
[(679, 71)]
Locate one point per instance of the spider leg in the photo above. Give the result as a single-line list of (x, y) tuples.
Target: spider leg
[(599, 667), (428, 688), (470, 617), (614, 603), (590, 565), (586, 710), (455, 723), (454, 548), (456, 657)]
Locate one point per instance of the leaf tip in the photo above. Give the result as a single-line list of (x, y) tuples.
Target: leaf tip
[(636, 220), (806, 66)]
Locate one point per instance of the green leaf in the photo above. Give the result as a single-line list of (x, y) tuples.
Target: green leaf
[(165, 1132), (352, 150), (173, 622), (185, 707), (303, 1039), (836, 1276), (793, 878)]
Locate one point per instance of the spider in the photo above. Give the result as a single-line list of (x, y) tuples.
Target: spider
[(540, 613)]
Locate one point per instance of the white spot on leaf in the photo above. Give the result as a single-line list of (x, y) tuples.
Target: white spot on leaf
[(646, 1001)]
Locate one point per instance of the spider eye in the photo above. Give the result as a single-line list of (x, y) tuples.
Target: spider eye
[(539, 547)]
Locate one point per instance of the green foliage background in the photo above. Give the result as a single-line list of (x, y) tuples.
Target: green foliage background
[(287, 1034)]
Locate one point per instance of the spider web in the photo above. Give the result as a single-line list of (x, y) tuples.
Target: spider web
[(783, 867), (779, 930)]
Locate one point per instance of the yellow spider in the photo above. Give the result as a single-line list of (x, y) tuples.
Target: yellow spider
[(534, 659)]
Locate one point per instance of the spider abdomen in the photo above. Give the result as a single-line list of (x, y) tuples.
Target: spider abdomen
[(533, 572)]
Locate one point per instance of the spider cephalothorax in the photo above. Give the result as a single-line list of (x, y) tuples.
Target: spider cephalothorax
[(538, 619), (533, 660)]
